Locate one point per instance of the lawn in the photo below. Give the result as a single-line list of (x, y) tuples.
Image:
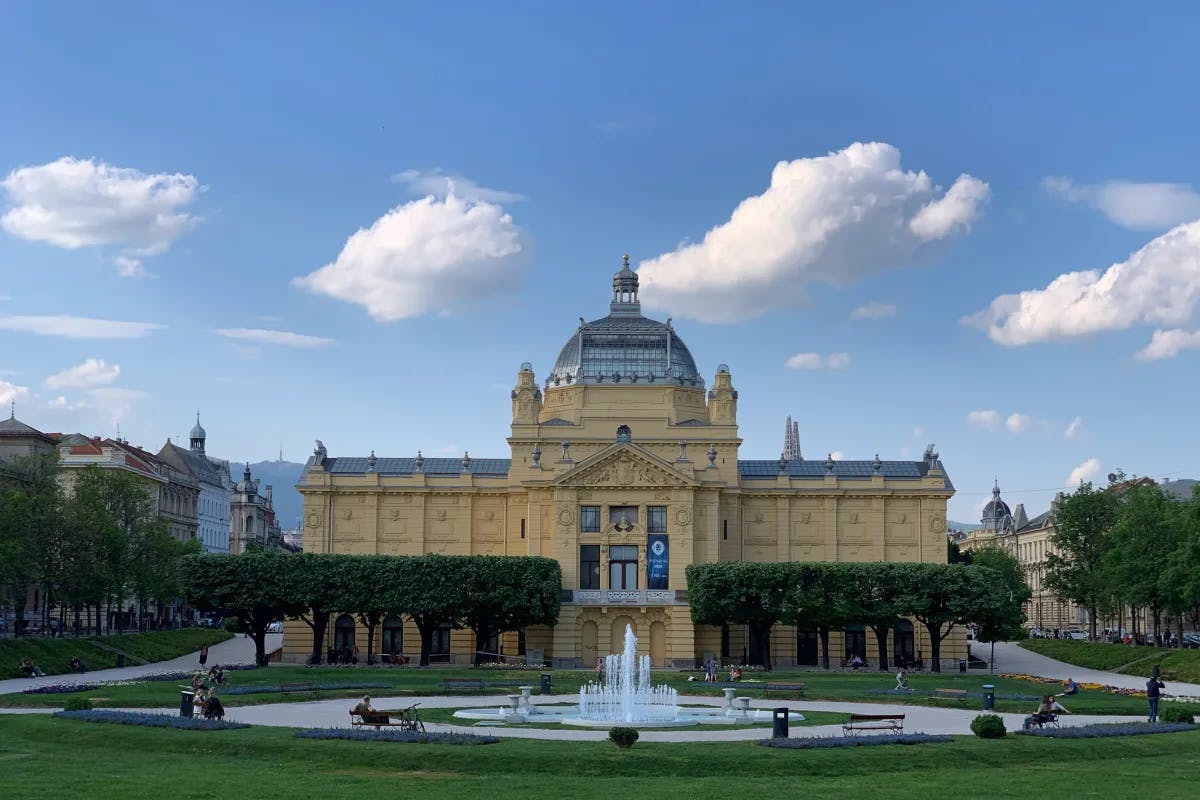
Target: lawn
[(47, 759), (1176, 664), (412, 681), (53, 655)]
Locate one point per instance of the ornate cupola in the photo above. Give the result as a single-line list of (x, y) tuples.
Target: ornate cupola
[(197, 435), (625, 292)]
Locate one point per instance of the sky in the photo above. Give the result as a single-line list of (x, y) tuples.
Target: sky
[(901, 225)]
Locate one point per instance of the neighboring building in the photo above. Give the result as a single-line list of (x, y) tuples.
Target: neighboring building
[(626, 469), (212, 475), (18, 439), (252, 517)]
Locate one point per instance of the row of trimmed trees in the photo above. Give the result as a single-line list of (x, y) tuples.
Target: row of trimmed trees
[(1126, 549), (90, 548), (826, 597), (487, 594)]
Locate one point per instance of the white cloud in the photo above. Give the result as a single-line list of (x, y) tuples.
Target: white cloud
[(439, 183), (1084, 472), (61, 403), (429, 255), (818, 361), (831, 219), (1157, 285), (10, 392), (70, 327), (1140, 206), (73, 203), (91, 373), (874, 311), (1168, 344), (1018, 423), (112, 403), (130, 267), (264, 336), (988, 420), (837, 455), (1072, 429)]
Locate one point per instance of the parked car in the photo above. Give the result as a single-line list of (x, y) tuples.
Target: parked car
[(1191, 640), (275, 627), (1077, 635)]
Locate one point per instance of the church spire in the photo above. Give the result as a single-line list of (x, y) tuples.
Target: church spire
[(791, 440)]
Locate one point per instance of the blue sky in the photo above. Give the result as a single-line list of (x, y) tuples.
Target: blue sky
[(182, 166)]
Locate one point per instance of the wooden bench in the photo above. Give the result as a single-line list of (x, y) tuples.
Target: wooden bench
[(789, 688), (406, 719), (1041, 720), (307, 687), (893, 723), (477, 683), (949, 694)]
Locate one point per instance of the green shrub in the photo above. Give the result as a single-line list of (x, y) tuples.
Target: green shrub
[(1178, 712), (233, 625), (623, 737), (77, 704), (988, 726)]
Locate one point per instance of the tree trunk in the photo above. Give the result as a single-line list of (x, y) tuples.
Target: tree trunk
[(372, 623), (1092, 620), (761, 656), (881, 638), (935, 646), (823, 633), (319, 625), (19, 606), (482, 634), (426, 632)]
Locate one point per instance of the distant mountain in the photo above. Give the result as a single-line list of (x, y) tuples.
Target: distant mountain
[(1182, 488), (282, 477), (963, 526)]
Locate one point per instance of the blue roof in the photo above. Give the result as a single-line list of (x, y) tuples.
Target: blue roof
[(842, 469), (484, 467)]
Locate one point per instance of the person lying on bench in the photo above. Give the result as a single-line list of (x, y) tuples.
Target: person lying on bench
[(369, 715)]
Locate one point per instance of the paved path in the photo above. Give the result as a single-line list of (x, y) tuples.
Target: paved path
[(1011, 657), (238, 650)]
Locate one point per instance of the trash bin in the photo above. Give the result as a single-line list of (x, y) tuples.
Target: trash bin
[(545, 683), (962, 665), (779, 723), (989, 697), (120, 660), (185, 703)]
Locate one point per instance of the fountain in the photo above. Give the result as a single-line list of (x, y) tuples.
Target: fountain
[(624, 693)]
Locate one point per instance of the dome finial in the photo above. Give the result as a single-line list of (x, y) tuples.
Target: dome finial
[(625, 261)]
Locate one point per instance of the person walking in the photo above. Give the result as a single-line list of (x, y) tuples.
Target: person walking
[(1154, 688), (203, 655)]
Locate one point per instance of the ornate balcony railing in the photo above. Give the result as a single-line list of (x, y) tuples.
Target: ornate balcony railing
[(623, 597)]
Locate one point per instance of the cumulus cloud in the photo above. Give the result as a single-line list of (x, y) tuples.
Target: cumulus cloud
[(429, 255), (10, 392), (874, 311), (837, 455), (818, 361), (266, 336), (1018, 423), (91, 373), (440, 183), (130, 267), (1157, 285), (1084, 472), (73, 203), (1072, 429), (69, 327), (830, 219), (1140, 206), (988, 420), (112, 403), (1168, 344)]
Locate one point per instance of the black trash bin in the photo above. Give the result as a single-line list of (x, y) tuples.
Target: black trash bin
[(989, 697), (185, 703), (120, 660), (545, 683), (962, 665), (779, 723)]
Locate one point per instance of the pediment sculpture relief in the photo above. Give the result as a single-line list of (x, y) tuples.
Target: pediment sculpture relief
[(625, 470)]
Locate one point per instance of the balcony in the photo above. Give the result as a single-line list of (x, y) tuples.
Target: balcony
[(622, 597)]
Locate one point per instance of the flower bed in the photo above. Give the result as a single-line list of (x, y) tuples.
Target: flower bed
[(147, 720), (1094, 686), (999, 695), (62, 688), (824, 742), (395, 736), (325, 686), (1105, 730)]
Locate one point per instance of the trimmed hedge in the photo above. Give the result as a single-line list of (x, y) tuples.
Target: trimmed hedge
[(825, 742), (1106, 730), (988, 726), (409, 737), (319, 686), (1179, 712), (148, 720), (623, 738), (77, 704)]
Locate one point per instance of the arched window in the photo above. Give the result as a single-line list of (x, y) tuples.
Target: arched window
[(856, 641), (904, 653), (343, 633), (393, 636)]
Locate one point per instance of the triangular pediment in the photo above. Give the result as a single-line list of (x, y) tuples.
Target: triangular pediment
[(624, 465)]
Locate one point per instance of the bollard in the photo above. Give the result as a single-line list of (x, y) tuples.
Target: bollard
[(545, 683), (962, 665), (779, 723)]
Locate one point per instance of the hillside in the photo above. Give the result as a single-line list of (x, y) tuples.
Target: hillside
[(282, 476)]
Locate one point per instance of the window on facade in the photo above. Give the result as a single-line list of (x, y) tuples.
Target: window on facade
[(624, 517), (589, 566), (393, 635), (589, 519), (656, 519), (440, 646), (856, 641), (343, 632), (623, 567)]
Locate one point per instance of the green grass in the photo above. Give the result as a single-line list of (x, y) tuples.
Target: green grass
[(1177, 665), (44, 759), (446, 715), (53, 655), (410, 681)]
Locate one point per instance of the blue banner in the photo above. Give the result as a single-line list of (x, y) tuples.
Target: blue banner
[(657, 561)]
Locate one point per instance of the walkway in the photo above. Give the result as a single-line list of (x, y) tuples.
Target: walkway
[(1011, 657), (238, 650)]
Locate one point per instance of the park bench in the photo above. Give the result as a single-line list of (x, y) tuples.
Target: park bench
[(476, 683), (787, 688), (306, 687), (893, 723), (406, 719), (949, 694)]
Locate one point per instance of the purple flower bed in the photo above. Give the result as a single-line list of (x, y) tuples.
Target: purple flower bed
[(824, 742), (326, 686), (146, 720), (1105, 730), (356, 735), (999, 695), (62, 688)]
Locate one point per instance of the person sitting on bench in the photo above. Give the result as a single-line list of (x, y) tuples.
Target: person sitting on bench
[(369, 715), (1047, 710), (735, 673)]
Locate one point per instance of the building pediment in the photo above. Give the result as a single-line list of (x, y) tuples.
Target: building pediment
[(624, 465)]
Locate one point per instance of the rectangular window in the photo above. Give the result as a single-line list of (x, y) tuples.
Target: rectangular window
[(440, 645), (656, 519), (623, 567), (589, 566), (589, 519), (624, 517)]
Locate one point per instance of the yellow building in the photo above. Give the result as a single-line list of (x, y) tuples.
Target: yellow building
[(624, 467)]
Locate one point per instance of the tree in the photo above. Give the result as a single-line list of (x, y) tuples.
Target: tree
[(253, 587), (29, 505), (744, 593), (1005, 620), (430, 592), (1143, 539), (505, 593), (1082, 528), (940, 596), (817, 597), (875, 599), (316, 589), (370, 591)]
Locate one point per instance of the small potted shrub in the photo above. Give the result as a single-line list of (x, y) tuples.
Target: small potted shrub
[(988, 726), (77, 704), (623, 737)]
